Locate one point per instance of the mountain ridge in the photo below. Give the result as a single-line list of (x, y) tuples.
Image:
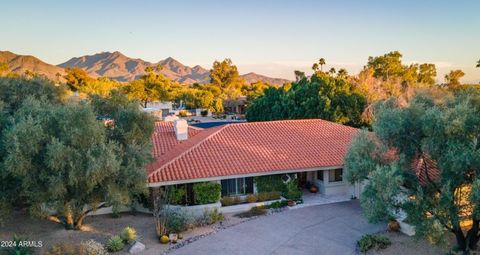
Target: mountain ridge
[(115, 65)]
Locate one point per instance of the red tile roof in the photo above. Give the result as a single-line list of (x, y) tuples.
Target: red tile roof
[(248, 148), (426, 170)]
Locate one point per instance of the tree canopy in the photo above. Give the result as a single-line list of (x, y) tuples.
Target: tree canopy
[(321, 96), (57, 154), (423, 159)]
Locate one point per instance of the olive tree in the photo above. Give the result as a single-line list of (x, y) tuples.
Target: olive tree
[(423, 159)]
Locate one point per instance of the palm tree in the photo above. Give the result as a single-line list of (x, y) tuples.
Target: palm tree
[(342, 73), (332, 70), (322, 62), (315, 67), (478, 63)]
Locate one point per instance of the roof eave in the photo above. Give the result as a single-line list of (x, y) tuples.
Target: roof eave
[(217, 178)]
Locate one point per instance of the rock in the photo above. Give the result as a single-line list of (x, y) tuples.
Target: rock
[(136, 247)]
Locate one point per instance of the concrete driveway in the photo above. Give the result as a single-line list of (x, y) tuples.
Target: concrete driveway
[(323, 229)]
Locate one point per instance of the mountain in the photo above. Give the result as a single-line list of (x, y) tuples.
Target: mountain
[(115, 65), (20, 63), (112, 65), (253, 77)]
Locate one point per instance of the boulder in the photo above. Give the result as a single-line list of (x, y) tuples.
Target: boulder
[(136, 247)]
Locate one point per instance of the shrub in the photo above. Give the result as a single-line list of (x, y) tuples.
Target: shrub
[(254, 211), (204, 113), (206, 192), (226, 201), (64, 249), (182, 113), (19, 249), (115, 244), (92, 247), (293, 192), (176, 195), (266, 196), (176, 220), (128, 235), (270, 183), (252, 198), (368, 242), (278, 204), (210, 217)]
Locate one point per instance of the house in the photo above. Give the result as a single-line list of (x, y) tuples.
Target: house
[(234, 154), (158, 109)]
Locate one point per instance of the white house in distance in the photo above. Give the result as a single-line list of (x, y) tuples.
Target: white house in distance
[(159, 109), (233, 154)]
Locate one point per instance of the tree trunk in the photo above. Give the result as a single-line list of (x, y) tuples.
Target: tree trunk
[(472, 235), (68, 216), (79, 221), (461, 241)]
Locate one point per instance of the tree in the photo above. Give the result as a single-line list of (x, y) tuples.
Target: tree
[(427, 73), (423, 159), (77, 78), (58, 156), (453, 78), (152, 86), (299, 75), (255, 89), (323, 96), (478, 63), (14, 91), (386, 66), (321, 62), (225, 76), (342, 73), (315, 67), (332, 71)]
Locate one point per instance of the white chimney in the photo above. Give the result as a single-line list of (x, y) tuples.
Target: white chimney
[(181, 129)]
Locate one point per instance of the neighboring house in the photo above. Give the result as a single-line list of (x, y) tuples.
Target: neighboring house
[(233, 154), (159, 109)]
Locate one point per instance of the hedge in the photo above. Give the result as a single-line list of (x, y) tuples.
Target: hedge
[(206, 192), (270, 183)]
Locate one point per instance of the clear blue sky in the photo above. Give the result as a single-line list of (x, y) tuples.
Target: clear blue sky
[(271, 37)]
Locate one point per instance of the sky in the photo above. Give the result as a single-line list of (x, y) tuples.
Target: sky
[(270, 37)]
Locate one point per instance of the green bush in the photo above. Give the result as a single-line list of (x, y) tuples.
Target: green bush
[(293, 192), (368, 242), (204, 113), (115, 244), (206, 192), (128, 235), (176, 220), (278, 204), (270, 183), (18, 249), (176, 195)]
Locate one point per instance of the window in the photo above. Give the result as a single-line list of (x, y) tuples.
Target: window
[(238, 186), (320, 175), (335, 175)]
